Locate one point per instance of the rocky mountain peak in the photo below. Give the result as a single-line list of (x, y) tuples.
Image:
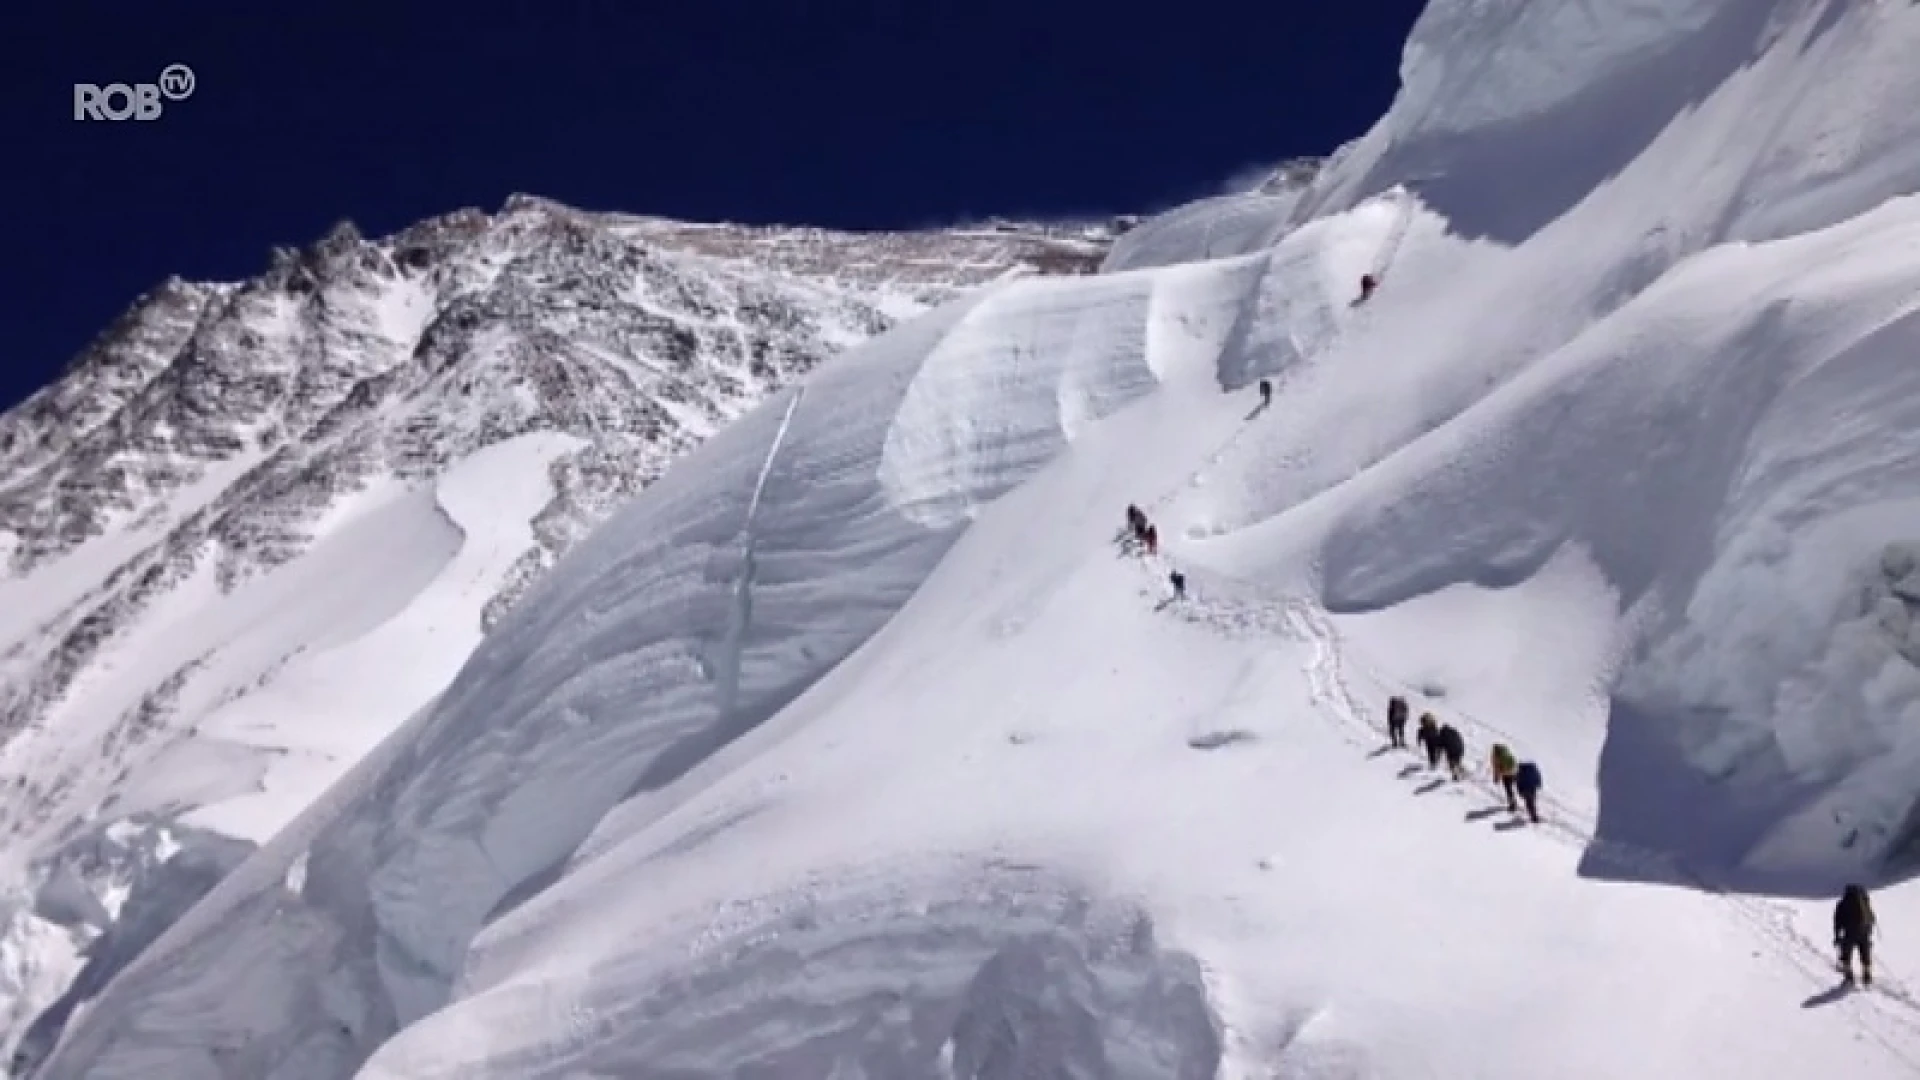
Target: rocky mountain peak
[(216, 432)]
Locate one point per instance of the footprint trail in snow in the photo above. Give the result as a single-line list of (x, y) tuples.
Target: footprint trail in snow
[(1888, 1013)]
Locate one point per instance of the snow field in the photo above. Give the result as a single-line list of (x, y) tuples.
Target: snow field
[(27, 603), (354, 636), (357, 578), (350, 688)]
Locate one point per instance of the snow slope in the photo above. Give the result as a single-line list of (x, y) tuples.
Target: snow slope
[(853, 747), (339, 698), (337, 648), (253, 527), (216, 433), (1216, 228), (388, 600)]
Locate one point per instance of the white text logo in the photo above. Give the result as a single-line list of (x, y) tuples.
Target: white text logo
[(136, 101)]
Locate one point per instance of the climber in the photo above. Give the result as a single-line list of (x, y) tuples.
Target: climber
[(1397, 721), (1266, 393), (1853, 927), (1504, 767), (1179, 581), (1368, 283), (1455, 747), (1136, 523), (1152, 539), (1429, 739), (1526, 779)]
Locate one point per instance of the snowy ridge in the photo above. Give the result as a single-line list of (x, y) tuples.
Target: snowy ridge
[(258, 525), (1512, 114), (1235, 224), (1216, 228), (702, 803), (907, 261)]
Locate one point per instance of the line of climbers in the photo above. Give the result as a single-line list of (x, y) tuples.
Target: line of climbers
[(1520, 780), (1145, 536), (1853, 919)]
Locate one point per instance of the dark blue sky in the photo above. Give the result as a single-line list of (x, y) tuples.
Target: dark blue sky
[(858, 114)]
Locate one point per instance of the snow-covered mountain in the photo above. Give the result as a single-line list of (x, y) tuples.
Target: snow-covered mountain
[(255, 526), (855, 747)]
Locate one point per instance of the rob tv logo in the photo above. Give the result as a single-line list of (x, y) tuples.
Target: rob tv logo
[(138, 101)]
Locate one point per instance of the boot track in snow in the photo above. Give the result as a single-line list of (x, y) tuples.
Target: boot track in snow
[(1888, 1013)]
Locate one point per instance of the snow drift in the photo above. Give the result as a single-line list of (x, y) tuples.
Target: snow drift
[(851, 747)]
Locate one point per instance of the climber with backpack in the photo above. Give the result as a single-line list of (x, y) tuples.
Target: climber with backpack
[(1397, 721), (1429, 738), (1266, 393), (1454, 745), (1179, 582), (1853, 926), (1526, 780), (1368, 283), (1504, 769)]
